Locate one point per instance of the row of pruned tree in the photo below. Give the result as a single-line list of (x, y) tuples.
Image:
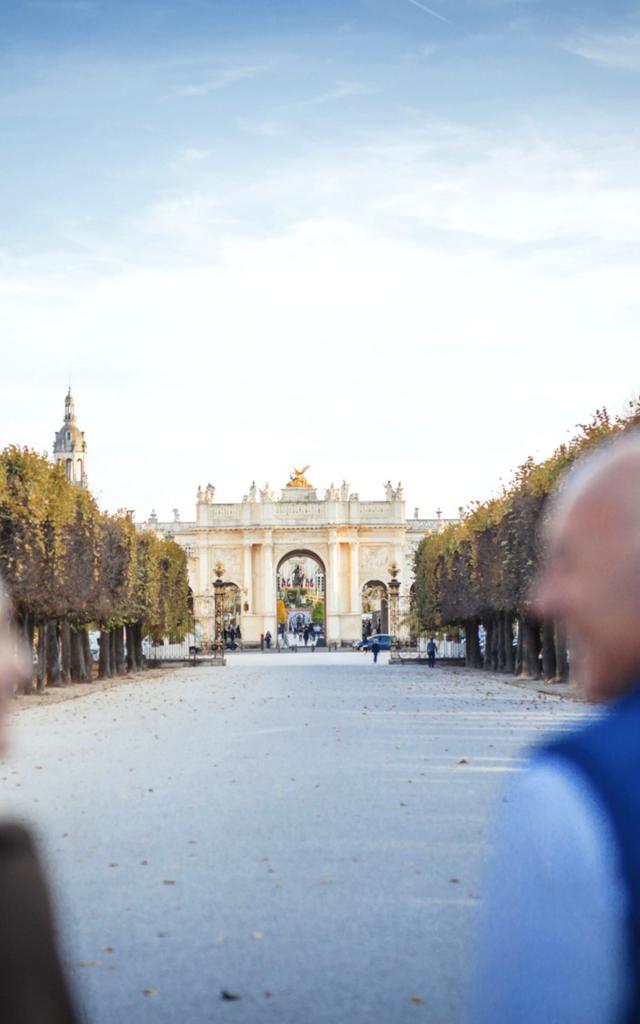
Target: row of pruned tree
[(479, 572), (70, 568)]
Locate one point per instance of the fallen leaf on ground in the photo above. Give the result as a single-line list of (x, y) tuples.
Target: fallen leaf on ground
[(227, 996), (150, 991), (416, 1000)]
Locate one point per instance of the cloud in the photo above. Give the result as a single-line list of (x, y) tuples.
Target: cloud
[(192, 156), (341, 91), (222, 79), (468, 188), (429, 10), (266, 127), (189, 219), (485, 269), (615, 51)]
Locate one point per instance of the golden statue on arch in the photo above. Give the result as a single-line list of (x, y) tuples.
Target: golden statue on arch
[(298, 479)]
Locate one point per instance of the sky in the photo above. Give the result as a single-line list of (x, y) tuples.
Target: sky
[(386, 238)]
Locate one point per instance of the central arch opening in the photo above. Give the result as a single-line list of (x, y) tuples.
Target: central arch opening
[(375, 608), (301, 604)]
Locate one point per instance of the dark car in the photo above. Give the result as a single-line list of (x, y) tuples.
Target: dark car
[(383, 640)]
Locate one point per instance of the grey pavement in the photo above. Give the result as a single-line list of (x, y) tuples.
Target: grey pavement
[(305, 833)]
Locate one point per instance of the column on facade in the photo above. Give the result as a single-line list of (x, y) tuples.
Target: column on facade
[(355, 577), (334, 573), (269, 594), (247, 574), (204, 589), (203, 575)]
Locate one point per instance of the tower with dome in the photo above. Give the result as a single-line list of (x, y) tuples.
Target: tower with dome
[(70, 446)]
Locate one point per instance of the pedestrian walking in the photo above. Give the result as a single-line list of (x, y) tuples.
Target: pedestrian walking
[(565, 883), (267, 639), (375, 650), (305, 635), (432, 650)]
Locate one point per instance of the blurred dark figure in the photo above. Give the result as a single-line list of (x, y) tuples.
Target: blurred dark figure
[(33, 989), (560, 934), (432, 650), (375, 650)]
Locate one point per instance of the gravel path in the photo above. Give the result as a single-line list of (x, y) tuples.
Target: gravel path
[(305, 833)]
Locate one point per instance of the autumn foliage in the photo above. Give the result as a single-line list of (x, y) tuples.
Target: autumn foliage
[(479, 571), (69, 567)]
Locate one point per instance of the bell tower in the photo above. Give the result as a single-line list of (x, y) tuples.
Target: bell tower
[(70, 447)]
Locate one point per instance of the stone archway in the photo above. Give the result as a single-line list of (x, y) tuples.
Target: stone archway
[(375, 607), (301, 606)]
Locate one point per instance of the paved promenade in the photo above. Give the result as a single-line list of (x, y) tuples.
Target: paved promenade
[(305, 833)]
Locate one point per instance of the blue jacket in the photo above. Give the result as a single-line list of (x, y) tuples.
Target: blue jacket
[(607, 754)]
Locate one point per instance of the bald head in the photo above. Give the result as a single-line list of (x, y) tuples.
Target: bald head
[(609, 478), (591, 581)]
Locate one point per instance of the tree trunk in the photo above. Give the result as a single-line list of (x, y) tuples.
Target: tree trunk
[(488, 640), (65, 644), (500, 652), (548, 651), (27, 636), (495, 642), (562, 661), (78, 669), (473, 656), (132, 665), (104, 662), (530, 647), (507, 642), (42, 656), (137, 634), (53, 654), (120, 662), (88, 657), (112, 652)]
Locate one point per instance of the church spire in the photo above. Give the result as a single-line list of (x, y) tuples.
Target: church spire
[(69, 408)]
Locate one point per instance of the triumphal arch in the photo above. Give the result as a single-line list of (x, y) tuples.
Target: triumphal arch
[(331, 553)]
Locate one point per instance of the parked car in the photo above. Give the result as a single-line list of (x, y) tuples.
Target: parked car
[(383, 639)]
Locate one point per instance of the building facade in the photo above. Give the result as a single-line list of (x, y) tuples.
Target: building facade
[(356, 545)]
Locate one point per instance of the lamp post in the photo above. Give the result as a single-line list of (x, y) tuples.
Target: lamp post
[(218, 596), (394, 603)]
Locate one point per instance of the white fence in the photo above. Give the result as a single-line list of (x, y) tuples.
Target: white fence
[(165, 652), (446, 648)]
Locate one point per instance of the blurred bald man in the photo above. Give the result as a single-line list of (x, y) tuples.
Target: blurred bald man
[(560, 936)]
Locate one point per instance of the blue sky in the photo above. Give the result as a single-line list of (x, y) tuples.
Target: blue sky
[(384, 237)]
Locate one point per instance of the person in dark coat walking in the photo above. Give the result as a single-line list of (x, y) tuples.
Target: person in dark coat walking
[(33, 988), (432, 650), (375, 650)]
